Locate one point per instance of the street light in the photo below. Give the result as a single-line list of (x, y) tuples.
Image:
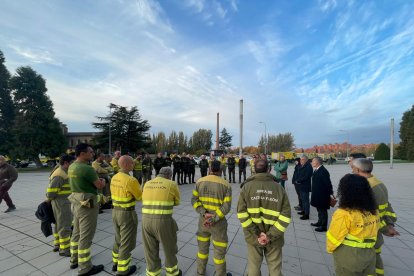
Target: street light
[(265, 136), (347, 141), (109, 126)]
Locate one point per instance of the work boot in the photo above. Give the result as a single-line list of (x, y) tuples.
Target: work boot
[(114, 267), (131, 270), (321, 229), (64, 254), (73, 265), (316, 224), (304, 217), (10, 209), (56, 248), (94, 270)]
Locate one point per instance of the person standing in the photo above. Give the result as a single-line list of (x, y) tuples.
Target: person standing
[(57, 193), (137, 172), (364, 167), (146, 169), (114, 161), (321, 193), (159, 162), (185, 167), (299, 207), (264, 213), (252, 171), (242, 168), (103, 172), (281, 170), (8, 174), (223, 161), (84, 183), (125, 190), (203, 166), (231, 165), (192, 165), (177, 168), (159, 196), (168, 161), (353, 230), (212, 200), (304, 181)]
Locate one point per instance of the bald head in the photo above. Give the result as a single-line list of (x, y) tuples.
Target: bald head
[(2, 159), (126, 163)]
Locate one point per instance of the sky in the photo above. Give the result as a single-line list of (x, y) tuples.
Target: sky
[(326, 71)]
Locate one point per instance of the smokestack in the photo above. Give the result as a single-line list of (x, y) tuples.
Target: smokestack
[(241, 127), (217, 131)]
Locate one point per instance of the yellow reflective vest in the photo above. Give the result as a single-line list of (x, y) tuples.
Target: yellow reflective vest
[(263, 207), (159, 197), (125, 190), (114, 164)]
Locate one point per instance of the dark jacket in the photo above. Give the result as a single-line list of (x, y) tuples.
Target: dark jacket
[(192, 164), (177, 162), (203, 164), (8, 174), (159, 162), (321, 188), (242, 163), (295, 173), (45, 214), (231, 162), (304, 177)]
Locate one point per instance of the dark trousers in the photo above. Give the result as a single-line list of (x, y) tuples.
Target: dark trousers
[(191, 176), (184, 175), (323, 217), (242, 171), (297, 189), (203, 172), (4, 194), (305, 202), (232, 175), (177, 171)]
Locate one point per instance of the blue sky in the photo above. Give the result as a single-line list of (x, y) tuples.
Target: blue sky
[(311, 68)]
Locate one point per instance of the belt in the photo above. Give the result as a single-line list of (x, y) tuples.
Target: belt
[(132, 208)]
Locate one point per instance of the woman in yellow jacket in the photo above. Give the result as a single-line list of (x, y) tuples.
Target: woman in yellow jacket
[(353, 231)]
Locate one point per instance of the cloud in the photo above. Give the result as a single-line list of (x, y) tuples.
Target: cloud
[(211, 11), (327, 5), (35, 55)]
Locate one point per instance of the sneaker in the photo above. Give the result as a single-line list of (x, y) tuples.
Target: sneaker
[(94, 270), (131, 270), (73, 265), (10, 209)]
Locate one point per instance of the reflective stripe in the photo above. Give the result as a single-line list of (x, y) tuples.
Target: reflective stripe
[(379, 271), (390, 214), (171, 269), (202, 256), (122, 268), (64, 246), (359, 244), (378, 250), (264, 220), (74, 243), (246, 223), (195, 193), (162, 203), (115, 254), (242, 215), (156, 273), (197, 204), (124, 262), (73, 251), (156, 211), (123, 205), (118, 198), (332, 239), (221, 244), (65, 239), (280, 227), (217, 261), (227, 199), (64, 192), (52, 190), (284, 219), (383, 206), (210, 207), (215, 200), (219, 213), (263, 210), (203, 239), (56, 235), (84, 260), (84, 251), (56, 242)]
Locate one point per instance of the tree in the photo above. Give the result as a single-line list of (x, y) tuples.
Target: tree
[(36, 129), (129, 132), (201, 140), (406, 149), (382, 152), (6, 108), (172, 142), (225, 139), (182, 142), (277, 143), (159, 142)]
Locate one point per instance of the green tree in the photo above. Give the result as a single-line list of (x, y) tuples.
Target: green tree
[(6, 108), (36, 129), (201, 140), (280, 142), (159, 142), (129, 132), (382, 152), (172, 142), (182, 142), (406, 149), (225, 139)]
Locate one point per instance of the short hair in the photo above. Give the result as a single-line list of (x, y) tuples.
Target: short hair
[(108, 156), (304, 157), (82, 147), (357, 155), (66, 158), (320, 160), (215, 166), (261, 166), (165, 172), (363, 164)]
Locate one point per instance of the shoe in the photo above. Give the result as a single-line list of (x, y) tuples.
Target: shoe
[(229, 274), (73, 266), (321, 229), (55, 249), (316, 224), (301, 213), (64, 254), (131, 270), (180, 273), (298, 208), (304, 217), (10, 209), (114, 267), (94, 270)]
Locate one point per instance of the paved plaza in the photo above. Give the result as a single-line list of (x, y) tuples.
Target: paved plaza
[(25, 251)]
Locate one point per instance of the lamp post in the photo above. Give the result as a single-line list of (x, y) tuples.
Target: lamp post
[(265, 136), (109, 130), (347, 141)]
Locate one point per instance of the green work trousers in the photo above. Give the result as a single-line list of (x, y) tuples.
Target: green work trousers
[(84, 227), (125, 225), (350, 261), (379, 265), (273, 255), (63, 216), (218, 233), (138, 176), (158, 229)]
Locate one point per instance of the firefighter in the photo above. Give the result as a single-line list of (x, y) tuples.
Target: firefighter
[(84, 183), (353, 230), (176, 160), (364, 167), (185, 168), (212, 200), (191, 169), (146, 168), (125, 190), (114, 161), (231, 165), (103, 171), (159, 196), (57, 193), (264, 212), (203, 166), (159, 162), (137, 172), (223, 161)]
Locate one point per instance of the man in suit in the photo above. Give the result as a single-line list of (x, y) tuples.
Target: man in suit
[(321, 193), (303, 181)]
